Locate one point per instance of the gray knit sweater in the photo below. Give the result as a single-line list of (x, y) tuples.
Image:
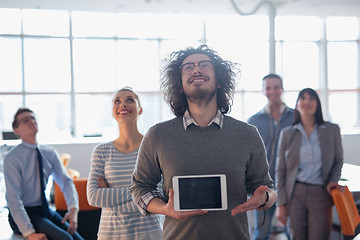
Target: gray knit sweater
[(236, 151)]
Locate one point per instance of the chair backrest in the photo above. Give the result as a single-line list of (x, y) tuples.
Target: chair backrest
[(347, 210), (65, 159), (80, 185)]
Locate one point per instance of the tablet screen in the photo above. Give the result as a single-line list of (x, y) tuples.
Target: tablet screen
[(200, 192)]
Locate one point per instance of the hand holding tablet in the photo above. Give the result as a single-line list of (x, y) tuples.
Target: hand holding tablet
[(205, 192)]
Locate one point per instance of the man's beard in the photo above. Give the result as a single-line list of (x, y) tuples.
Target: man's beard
[(200, 95)]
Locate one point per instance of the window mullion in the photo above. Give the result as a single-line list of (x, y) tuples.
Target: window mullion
[(323, 71)]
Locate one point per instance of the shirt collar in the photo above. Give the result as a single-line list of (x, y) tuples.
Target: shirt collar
[(282, 108), (29, 145), (299, 126), (188, 120)]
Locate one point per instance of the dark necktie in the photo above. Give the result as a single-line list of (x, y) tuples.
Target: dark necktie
[(44, 203)]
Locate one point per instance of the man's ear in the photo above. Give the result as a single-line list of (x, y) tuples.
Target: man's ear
[(16, 131)]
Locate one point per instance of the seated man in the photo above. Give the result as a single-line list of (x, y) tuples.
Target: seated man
[(27, 168)]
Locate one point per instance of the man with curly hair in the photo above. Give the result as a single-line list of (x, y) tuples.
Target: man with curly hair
[(199, 85)]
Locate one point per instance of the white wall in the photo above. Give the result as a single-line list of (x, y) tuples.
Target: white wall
[(351, 145), (80, 155)]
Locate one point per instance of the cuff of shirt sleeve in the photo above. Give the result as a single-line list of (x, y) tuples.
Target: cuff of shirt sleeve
[(145, 199), (28, 233), (73, 206)]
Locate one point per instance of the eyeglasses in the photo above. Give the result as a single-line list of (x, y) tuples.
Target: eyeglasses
[(204, 65), (26, 120)]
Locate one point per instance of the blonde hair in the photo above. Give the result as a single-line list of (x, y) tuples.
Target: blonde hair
[(129, 89)]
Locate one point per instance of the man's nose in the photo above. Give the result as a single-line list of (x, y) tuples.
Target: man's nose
[(197, 69)]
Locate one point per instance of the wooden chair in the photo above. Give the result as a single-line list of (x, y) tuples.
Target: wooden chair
[(65, 159), (88, 217), (347, 212)]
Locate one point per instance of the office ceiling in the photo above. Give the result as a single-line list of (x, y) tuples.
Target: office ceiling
[(283, 7)]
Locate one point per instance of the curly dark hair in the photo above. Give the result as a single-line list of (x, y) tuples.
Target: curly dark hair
[(172, 83)]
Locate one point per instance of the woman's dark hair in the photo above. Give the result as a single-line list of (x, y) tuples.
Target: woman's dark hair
[(172, 83), (318, 114)]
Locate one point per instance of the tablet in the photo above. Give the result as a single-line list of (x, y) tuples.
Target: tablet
[(205, 192)]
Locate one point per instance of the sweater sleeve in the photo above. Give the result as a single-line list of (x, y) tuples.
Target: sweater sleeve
[(114, 197), (147, 173), (257, 172)]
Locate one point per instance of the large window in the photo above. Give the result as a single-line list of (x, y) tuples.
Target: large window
[(66, 65), (343, 71)]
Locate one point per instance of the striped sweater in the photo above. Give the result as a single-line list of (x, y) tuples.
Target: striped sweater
[(120, 218)]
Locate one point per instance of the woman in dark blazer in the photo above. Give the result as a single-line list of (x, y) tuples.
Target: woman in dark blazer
[(309, 162)]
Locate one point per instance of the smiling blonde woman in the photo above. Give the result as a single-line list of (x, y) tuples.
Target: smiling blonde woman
[(111, 166)]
